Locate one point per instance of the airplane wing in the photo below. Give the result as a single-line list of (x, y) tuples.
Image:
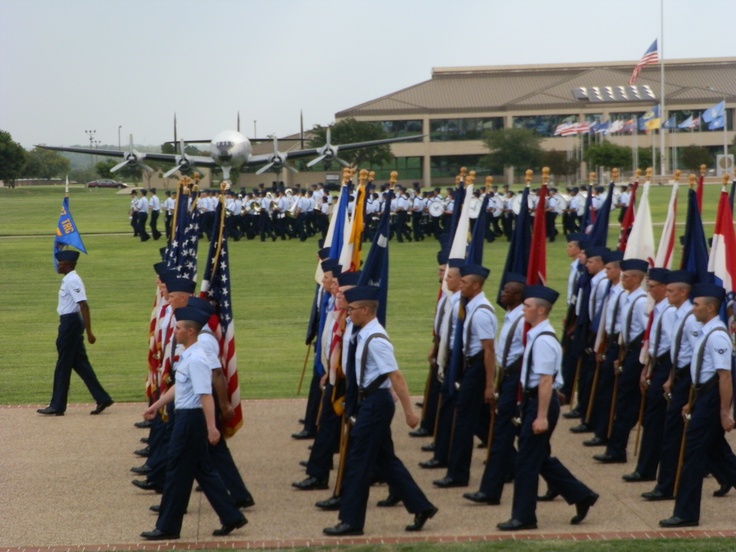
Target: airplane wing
[(166, 157)]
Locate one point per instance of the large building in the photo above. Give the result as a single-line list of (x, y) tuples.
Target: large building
[(458, 104)]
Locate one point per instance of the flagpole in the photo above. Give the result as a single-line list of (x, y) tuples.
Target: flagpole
[(662, 113)]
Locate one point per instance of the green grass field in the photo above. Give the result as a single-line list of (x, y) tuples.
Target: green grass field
[(272, 286)]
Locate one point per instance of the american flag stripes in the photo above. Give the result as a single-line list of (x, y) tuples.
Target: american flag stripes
[(650, 56)]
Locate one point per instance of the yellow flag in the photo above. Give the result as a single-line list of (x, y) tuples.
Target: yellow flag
[(356, 236)]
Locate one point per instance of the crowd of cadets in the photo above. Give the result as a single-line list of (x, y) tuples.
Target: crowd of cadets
[(282, 213), (597, 367)]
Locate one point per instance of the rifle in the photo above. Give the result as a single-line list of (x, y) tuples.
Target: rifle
[(617, 374), (494, 410), (681, 456), (344, 438), (642, 403), (304, 369)]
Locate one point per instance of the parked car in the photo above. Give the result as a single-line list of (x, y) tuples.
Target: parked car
[(105, 183)]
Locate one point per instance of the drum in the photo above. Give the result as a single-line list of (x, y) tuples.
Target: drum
[(474, 206), (436, 208)]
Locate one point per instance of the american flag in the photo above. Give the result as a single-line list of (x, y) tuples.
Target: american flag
[(649, 57), (216, 289), (181, 254)]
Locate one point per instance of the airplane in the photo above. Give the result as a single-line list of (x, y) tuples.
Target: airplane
[(230, 149)]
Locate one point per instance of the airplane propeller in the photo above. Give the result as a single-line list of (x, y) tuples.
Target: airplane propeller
[(277, 161), (183, 164), (328, 153), (132, 157)]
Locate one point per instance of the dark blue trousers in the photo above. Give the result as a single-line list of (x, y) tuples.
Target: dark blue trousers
[(655, 411), (315, 394), (672, 435), (502, 459), (224, 464), (189, 458), (431, 404), (628, 398), (470, 411), (601, 414), (327, 440), (73, 356), (705, 442), (371, 448), (158, 457), (585, 383), (534, 460), (443, 435)]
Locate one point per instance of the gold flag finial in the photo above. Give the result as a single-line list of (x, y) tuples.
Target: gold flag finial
[(692, 178), (345, 175), (489, 183), (463, 172), (703, 169), (726, 178), (591, 178), (637, 174), (648, 173), (545, 175), (372, 176), (614, 174), (363, 176), (470, 180), (528, 176), (392, 180), (678, 172)]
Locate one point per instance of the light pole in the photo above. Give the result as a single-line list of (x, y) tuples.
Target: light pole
[(119, 127), (91, 135), (255, 132)]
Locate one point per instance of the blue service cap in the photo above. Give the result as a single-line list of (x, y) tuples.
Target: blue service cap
[(680, 277), (596, 251), (575, 236), (167, 275), (362, 293), (514, 277), (68, 255), (331, 265), (634, 264), (455, 263), (193, 314), (709, 290), (160, 268), (613, 257), (180, 284), (349, 278), (442, 257), (474, 270), (541, 292), (324, 253), (201, 304), (658, 275)]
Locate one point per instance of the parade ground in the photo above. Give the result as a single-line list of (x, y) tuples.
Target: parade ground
[(66, 486)]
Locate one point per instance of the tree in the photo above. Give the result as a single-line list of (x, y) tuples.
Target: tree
[(693, 156), (349, 130), (513, 147), (609, 155), (12, 159), (559, 164), (43, 163)]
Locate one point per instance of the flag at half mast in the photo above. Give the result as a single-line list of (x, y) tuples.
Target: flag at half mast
[(650, 56)]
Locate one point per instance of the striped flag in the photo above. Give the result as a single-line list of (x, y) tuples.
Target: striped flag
[(181, 253), (722, 260), (650, 56), (667, 239), (216, 289)]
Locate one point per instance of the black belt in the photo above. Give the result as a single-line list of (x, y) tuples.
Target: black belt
[(531, 393), (475, 358), (681, 373), (705, 387), (77, 314), (512, 370), (365, 393)]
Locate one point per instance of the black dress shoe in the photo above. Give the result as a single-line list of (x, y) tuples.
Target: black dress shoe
[(229, 528), (549, 496), (342, 530), (420, 432), (595, 442), (581, 428), (722, 490), (144, 452), (391, 500), (516, 525), (481, 498), (421, 518), (582, 507), (143, 424), (48, 411), (432, 464), (102, 406), (419, 404), (448, 482), (245, 503), (158, 535), (144, 440), (141, 470), (608, 459), (310, 484), (655, 495), (675, 521), (302, 421), (428, 448), (636, 477), (145, 485), (303, 434), (155, 508), (332, 503), (304, 463), (573, 414)]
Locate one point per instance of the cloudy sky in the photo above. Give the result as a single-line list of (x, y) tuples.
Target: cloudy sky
[(75, 65)]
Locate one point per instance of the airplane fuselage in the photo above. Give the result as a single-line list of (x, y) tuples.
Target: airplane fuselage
[(229, 148)]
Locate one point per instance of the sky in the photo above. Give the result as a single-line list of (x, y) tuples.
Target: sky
[(127, 66)]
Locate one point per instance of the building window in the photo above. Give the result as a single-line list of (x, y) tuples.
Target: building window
[(407, 167), (448, 130), (444, 166), (544, 125), (399, 129)]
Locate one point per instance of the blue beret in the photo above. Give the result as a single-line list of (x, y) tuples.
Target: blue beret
[(596, 251), (180, 284), (67, 255), (658, 274), (474, 270), (349, 278), (541, 292), (362, 293), (680, 277), (455, 263), (201, 304), (709, 290), (613, 257), (514, 277), (160, 268), (634, 264), (193, 314)]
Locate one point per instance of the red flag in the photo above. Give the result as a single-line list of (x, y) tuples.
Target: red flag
[(537, 270), (628, 221)]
